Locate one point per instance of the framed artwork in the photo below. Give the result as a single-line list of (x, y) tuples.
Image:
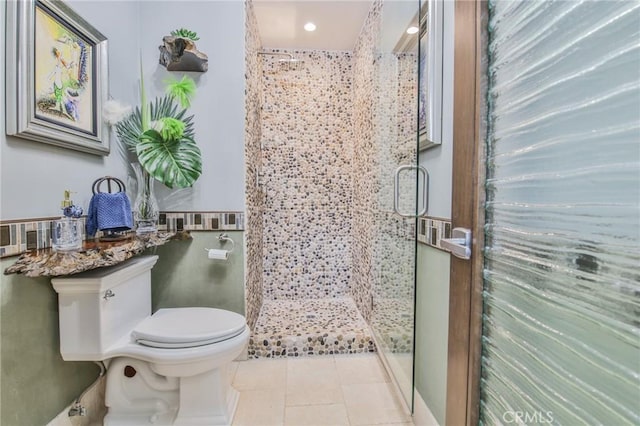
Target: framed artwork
[(57, 77)]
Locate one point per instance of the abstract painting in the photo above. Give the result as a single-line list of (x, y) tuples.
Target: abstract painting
[(57, 77), (63, 73)]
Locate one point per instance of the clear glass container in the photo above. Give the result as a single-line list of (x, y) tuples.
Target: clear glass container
[(145, 207), (67, 234)]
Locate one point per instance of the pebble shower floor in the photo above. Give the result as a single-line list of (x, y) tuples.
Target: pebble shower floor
[(291, 328)]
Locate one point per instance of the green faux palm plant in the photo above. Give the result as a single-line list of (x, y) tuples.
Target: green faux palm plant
[(162, 136)]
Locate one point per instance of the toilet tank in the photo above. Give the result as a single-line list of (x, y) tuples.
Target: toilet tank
[(99, 307)]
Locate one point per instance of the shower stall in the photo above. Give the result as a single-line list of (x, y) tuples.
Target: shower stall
[(305, 178), (330, 265)]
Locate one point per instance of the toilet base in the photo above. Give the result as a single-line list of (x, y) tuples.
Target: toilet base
[(152, 399), (207, 399), (169, 419), (138, 420), (222, 419)]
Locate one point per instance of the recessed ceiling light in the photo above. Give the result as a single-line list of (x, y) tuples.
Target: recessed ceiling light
[(310, 26), (412, 30)]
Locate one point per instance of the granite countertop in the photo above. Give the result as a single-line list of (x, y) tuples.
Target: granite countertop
[(94, 254)]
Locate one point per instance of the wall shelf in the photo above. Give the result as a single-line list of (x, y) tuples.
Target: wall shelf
[(94, 254)]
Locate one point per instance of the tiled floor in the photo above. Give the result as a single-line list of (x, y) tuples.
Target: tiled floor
[(342, 390)]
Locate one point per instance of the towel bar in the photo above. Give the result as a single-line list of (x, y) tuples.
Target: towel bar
[(109, 235)]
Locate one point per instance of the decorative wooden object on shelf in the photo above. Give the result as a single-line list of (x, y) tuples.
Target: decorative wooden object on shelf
[(94, 254)]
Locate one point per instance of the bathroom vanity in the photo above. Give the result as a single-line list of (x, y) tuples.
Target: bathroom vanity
[(94, 254)]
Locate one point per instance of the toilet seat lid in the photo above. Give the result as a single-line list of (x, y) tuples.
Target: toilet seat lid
[(188, 327)]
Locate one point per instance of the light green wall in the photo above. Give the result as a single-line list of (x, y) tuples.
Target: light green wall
[(36, 384), (432, 328), (185, 276)]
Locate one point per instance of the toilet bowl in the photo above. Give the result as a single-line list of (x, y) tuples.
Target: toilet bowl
[(169, 368)]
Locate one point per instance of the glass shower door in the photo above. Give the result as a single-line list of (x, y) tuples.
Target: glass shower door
[(395, 137)]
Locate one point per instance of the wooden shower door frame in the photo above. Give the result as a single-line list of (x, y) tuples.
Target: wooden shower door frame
[(467, 210)]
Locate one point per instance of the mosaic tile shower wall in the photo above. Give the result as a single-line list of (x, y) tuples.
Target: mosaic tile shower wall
[(253, 159), (365, 165), (385, 89), (393, 283), (395, 136), (306, 153)]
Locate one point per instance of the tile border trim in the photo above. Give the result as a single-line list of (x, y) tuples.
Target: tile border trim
[(21, 235), (176, 221), (18, 236), (432, 229)]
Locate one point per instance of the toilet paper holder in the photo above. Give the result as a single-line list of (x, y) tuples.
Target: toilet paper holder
[(223, 238)]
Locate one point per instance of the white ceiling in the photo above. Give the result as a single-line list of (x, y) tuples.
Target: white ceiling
[(338, 23)]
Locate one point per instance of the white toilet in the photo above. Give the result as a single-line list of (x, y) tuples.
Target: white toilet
[(169, 368)]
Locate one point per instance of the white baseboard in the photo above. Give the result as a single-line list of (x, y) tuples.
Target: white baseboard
[(422, 416), (92, 401)]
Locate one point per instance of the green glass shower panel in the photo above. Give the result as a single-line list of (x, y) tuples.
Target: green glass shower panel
[(561, 337)]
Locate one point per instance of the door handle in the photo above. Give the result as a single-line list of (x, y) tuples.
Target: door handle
[(460, 244), (425, 190)]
